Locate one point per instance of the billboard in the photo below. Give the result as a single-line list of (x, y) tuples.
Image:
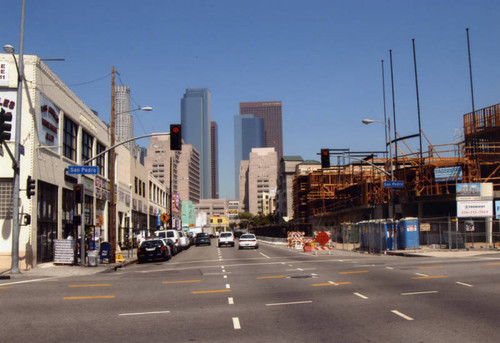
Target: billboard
[(448, 174), (480, 208)]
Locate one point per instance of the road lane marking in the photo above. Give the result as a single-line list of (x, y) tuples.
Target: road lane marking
[(355, 272), (493, 264), (330, 283), (421, 274), (389, 268), (214, 291), (90, 297), (464, 284), (402, 315), (223, 270), (228, 286), (5, 287), (290, 303), (430, 267), (429, 277), (222, 267), (181, 281), (225, 276), (29, 281), (236, 323), (230, 301), (143, 313), (418, 293), (271, 277), (97, 285), (264, 255), (361, 295)]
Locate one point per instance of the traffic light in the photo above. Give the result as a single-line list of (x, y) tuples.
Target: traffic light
[(5, 125), (30, 187), (78, 190), (175, 137), (325, 158)]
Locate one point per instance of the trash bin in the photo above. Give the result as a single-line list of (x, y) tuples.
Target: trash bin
[(93, 256)]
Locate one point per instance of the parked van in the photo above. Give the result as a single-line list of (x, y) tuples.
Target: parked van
[(172, 235)]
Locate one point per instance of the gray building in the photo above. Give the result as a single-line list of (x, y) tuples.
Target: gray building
[(284, 194), (124, 119), (195, 121), (248, 134)]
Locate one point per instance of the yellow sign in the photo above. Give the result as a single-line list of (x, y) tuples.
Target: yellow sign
[(119, 258), (164, 218)]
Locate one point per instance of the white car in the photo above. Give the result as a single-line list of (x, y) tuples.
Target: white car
[(172, 235), (184, 240), (248, 240), (226, 238)]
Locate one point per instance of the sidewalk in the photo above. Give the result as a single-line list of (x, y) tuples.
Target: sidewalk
[(46, 270)]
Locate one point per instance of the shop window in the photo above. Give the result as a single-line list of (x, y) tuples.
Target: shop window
[(87, 146), (69, 141), (100, 159)]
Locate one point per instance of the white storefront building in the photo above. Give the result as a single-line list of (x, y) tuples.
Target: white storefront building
[(58, 131)]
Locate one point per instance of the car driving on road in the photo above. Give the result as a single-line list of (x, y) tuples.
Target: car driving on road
[(226, 238), (248, 240)]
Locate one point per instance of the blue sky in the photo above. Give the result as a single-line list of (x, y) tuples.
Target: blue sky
[(322, 59)]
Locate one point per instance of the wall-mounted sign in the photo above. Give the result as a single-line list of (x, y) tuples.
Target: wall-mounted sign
[(480, 208), (4, 74), (448, 174), (48, 129)]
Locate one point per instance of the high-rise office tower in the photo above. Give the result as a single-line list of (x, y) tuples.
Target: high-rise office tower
[(248, 134), (195, 121), (214, 146), (124, 119), (270, 111)]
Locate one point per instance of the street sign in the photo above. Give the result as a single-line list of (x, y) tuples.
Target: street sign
[(394, 184), (164, 218), (92, 170)]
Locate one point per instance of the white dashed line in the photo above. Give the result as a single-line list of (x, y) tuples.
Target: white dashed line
[(228, 286), (230, 301), (464, 284), (361, 295), (402, 315), (236, 323), (419, 274), (418, 293)]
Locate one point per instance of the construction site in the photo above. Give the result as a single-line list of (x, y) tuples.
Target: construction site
[(352, 189)]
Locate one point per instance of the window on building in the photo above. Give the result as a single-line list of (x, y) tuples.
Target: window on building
[(69, 140), (87, 146), (100, 159), (6, 189)]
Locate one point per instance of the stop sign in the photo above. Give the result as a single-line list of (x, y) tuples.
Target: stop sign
[(322, 238)]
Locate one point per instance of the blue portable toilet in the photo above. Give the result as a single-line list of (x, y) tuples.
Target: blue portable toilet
[(408, 233)]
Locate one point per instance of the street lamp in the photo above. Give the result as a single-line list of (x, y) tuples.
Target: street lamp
[(16, 161), (388, 125)]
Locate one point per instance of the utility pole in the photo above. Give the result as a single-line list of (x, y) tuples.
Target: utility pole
[(112, 158)]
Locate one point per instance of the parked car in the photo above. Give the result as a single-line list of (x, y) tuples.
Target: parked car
[(153, 249), (173, 235), (184, 240), (171, 245), (203, 238), (226, 238), (248, 240)]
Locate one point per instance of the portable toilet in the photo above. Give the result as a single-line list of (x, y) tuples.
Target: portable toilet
[(408, 233), (388, 233)]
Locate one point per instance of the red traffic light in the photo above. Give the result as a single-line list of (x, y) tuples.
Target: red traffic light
[(175, 129)]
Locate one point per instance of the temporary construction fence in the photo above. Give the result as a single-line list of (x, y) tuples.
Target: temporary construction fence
[(412, 233)]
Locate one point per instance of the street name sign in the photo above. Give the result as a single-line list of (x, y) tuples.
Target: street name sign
[(92, 170), (394, 184)]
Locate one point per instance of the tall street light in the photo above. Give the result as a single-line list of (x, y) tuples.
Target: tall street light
[(15, 196), (112, 203), (388, 125)]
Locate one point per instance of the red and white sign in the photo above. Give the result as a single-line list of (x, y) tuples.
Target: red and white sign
[(483, 208)]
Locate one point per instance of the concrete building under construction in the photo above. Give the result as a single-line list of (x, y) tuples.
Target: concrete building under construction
[(352, 189)]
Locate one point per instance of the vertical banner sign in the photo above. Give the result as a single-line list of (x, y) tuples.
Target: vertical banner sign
[(48, 128), (4, 74), (497, 207)]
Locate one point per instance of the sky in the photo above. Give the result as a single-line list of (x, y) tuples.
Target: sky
[(321, 58)]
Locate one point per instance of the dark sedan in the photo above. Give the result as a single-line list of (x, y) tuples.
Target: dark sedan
[(153, 249), (202, 238)]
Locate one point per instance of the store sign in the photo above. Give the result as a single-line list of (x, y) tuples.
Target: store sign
[(474, 191), (4, 74), (48, 129), (448, 174), (497, 206), (481, 208)]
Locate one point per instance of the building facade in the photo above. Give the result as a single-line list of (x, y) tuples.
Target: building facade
[(248, 134), (259, 178), (195, 121), (59, 131), (284, 194), (214, 137), (124, 119), (271, 113)]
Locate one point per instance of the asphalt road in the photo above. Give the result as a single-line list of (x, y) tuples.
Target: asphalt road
[(273, 294)]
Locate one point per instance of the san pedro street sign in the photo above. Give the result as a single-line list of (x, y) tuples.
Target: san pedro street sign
[(394, 184), (92, 170)]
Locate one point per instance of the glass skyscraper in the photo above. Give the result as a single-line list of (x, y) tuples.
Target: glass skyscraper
[(195, 121), (248, 134), (271, 112)]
